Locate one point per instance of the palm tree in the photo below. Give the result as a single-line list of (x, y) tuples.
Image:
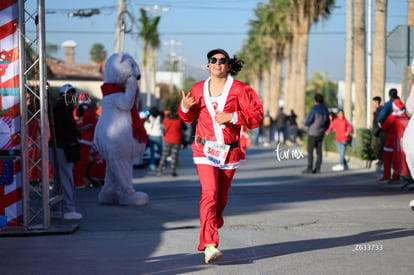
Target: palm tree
[(303, 14), (320, 84), (150, 41), (269, 30), (379, 52), (97, 53), (251, 54), (360, 66)]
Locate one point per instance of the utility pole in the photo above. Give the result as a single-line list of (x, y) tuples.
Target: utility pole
[(369, 62), (120, 27), (349, 60), (172, 44)]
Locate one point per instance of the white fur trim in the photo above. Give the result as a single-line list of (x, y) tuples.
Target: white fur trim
[(218, 131), (234, 119), (226, 166), (86, 142), (185, 110)]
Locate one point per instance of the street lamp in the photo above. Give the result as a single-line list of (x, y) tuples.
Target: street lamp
[(172, 44)]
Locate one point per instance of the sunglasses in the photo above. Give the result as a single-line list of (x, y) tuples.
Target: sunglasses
[(221, 61)]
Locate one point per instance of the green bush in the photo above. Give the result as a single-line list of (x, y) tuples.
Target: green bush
[(329, 142), (363, 144)]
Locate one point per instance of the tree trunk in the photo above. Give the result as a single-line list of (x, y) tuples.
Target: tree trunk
[(266, 91), (144, 72), (379, 53), (349, 59), (301, 71), (360, 66), (290, 92), (255, 84), (287, 98), (151, 86), (275, 72)]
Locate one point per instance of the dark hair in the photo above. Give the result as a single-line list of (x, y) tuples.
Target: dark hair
[(173, 112), (235, 65), (154, 111), (378, 99), (318, 98), (393, 93)]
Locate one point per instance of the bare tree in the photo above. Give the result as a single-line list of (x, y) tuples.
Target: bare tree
[(360, 66), (379, 53)]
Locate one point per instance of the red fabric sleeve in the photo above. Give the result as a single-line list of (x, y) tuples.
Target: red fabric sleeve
[(250, 113)]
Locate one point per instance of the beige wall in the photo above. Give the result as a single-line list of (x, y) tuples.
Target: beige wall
[(92, 88)]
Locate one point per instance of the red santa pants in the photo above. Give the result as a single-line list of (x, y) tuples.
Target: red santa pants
[(80, 167), (215, 185)]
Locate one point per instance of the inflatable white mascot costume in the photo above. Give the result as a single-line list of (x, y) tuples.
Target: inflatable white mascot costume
[(120, 135), (408, 136)]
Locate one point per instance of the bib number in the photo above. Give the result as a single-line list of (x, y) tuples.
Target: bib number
[(216, 153)]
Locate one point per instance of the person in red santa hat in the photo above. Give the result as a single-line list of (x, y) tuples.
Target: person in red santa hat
[(398, 111), (86, 120), (222, 106)]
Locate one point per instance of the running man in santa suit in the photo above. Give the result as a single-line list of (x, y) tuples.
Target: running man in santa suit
[(222, 106)]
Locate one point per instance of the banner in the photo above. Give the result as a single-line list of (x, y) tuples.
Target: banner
[(11, 205)]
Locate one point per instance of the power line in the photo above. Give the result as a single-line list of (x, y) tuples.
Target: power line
[(198, 33)]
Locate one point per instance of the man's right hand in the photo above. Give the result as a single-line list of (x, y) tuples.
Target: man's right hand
[(188, 101)]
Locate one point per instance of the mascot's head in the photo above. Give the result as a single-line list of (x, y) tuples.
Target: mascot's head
[(119, 67)]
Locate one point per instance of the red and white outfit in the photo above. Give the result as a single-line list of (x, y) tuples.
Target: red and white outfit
[(87, 120), (215, 178), (389, 128)]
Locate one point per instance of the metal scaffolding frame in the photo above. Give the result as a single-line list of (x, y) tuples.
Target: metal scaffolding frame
[(36, 212)]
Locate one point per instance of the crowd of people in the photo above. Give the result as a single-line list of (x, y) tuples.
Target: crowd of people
[(282, 129), (388, 127)]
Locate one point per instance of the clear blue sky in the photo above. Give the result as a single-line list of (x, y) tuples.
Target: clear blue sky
[(200, 26)]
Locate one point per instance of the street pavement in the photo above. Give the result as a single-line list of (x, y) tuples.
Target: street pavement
[(277, 221)]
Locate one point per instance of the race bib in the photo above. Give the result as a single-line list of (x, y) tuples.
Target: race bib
[(215, 152)]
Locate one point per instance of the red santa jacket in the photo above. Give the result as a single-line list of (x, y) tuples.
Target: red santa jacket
[(342, 127), (172, 130), (389, 128), (88, 119), (237, 98)]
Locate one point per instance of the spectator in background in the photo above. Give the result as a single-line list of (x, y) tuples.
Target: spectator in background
[(389, 128), (386, 110), (317, 123), (172, 140), (154, 127), (68, 153), (293, 126), (267, 129), (86, 120), (343, 131), (378, 136), (280, 125)]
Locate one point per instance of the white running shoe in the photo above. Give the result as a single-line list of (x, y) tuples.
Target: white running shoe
[(72, 215), (338, 167), (211, 253), (412, 205)]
